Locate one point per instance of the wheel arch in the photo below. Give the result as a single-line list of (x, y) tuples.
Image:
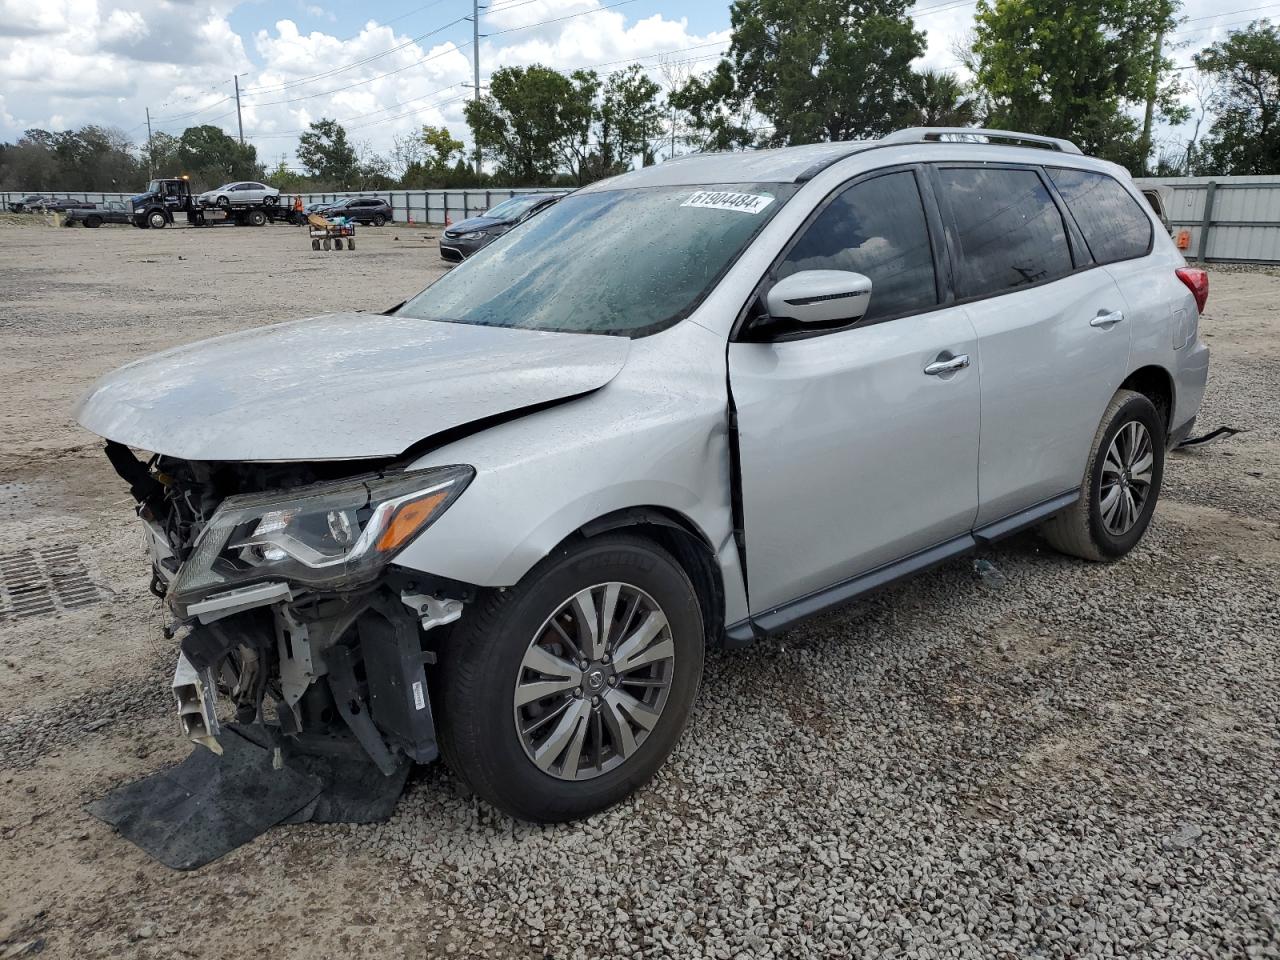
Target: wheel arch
[(1156, 384), (680, 537)]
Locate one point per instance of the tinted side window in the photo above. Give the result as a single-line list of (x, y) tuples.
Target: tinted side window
[(1113, 223), (1010, 231), (876, 228)]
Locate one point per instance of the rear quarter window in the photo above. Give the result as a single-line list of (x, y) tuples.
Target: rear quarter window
[(1113, 223)]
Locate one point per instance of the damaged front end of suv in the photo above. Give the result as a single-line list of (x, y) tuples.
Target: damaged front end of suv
[(285, 599)]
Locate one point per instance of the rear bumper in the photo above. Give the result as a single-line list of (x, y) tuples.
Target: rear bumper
[(1191, 377)]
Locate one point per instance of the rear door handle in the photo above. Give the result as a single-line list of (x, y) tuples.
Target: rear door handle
[(1107, 319), (947, 366)]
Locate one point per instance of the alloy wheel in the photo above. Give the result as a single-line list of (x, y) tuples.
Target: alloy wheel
[(594, 681), (1126, 478)]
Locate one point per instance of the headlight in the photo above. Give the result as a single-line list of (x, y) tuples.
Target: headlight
[(331, 535), (473, 235)]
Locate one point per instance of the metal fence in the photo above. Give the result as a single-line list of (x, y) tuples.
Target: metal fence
[(420, 206), (1225, 219)]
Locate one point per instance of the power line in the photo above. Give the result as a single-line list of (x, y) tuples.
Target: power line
[(540, 23), (299, 81), (359, 83), (184, 116)]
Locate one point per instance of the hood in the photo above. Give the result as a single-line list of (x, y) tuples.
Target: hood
[(340, 386), (477, 223)]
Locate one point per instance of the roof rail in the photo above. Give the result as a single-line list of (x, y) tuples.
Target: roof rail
[(978, 135)]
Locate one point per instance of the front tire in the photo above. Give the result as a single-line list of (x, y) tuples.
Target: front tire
[(1121, 483), (156, 220), (565, 693)]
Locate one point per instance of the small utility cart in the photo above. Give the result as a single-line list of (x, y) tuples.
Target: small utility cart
[(326, 234)]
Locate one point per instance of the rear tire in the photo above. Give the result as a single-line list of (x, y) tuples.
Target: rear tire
[(379, 219), (93, 221), (486, 683), (257, 218), (1121, 484)]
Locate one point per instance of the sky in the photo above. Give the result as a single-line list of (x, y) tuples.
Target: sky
[(381, 67)]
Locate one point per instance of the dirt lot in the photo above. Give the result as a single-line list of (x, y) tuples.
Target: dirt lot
[(1036, 758)]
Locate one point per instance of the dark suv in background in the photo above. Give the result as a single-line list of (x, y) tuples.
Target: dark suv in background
[(366, 210)]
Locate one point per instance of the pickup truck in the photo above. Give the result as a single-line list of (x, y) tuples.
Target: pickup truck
[(112, 211)]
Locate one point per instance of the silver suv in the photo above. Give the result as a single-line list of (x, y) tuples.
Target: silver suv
[(691, 405)]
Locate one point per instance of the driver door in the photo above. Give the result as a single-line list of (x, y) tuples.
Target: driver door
[(852, 455)]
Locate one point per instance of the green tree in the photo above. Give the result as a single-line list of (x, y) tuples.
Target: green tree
[(716, 113), (164, 150), (938, 99), (328, 155), (30, 164), (530, 121), (1245, 135), (629, 120), (212, 158), (429, 159), (816, 70), (1074, 68)]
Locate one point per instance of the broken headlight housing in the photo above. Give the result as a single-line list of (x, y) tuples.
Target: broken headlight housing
[(329, 536)]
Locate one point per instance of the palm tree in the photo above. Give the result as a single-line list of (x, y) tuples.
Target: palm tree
[(938, 99)]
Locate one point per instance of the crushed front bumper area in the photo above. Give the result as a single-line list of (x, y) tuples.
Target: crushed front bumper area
[(331, 711), (356, 665)]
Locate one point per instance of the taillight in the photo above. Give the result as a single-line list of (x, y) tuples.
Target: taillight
[(1197, 282)]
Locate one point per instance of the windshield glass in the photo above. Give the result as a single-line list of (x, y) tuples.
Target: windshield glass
[(155, 186), (624, 262), (509, 209)]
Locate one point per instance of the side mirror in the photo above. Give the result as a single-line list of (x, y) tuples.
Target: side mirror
[(820, 296)]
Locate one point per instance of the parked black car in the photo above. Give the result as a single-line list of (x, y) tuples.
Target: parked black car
[(463, 239), (25, 204), (113, 211), (361, 209), (47, 204)]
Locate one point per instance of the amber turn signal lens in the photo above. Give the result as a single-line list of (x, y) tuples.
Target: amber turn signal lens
[(409, 519)]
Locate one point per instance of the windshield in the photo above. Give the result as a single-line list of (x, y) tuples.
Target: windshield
[(624, 262), (155, 186), (510, 209)]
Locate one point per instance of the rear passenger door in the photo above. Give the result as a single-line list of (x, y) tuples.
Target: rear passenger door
[(1051, 333), (1120, 233)]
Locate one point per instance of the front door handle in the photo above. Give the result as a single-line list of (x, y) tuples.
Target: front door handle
[(1107, 319), (939, 367)]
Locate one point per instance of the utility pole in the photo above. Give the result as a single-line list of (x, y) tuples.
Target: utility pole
[(475, 64), (239, 119), (151, 156), (1152, 89)]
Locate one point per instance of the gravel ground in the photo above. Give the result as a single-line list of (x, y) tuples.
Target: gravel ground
[(1019, 756)]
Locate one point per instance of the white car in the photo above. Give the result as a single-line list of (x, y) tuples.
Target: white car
[(243, 191)]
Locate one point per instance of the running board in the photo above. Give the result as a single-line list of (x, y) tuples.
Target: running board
[(787, 615)]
